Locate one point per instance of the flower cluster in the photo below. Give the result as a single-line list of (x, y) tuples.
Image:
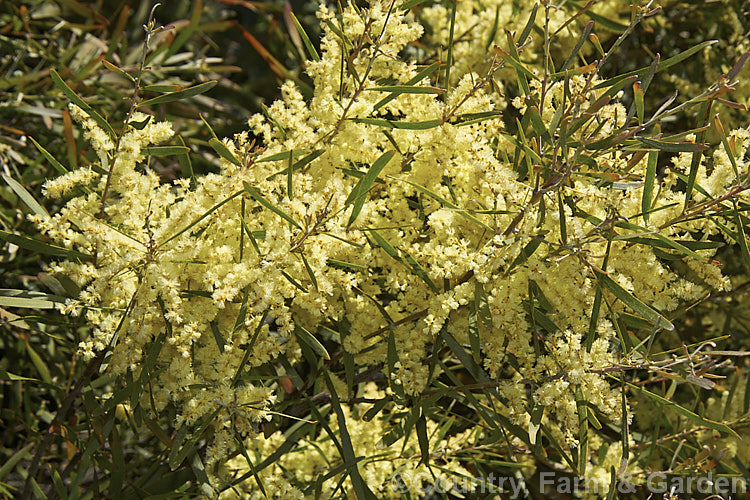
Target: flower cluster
[(381, 471), (391, 215)]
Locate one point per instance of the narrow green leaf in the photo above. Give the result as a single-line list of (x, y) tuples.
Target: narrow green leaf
[(538, 123), (741, 237), (613, 483), (581, 70), (218, 337), (423, 125), (514, 59), (624, 433), (535, 338), (423, 439), (28, 299), (596, 306), (180, 94), (186, 165), (419, 271), (249, 347), (382, 243), (632, 302), (117, 474), (666, 241), (723, 136), (606, 22), (358, 193), (529, 25), (581, 40), (289, 178), (701, 382), (349, 366), (310, 271), (297, 165), (493, 31), (449, 56), (466, 360), (346, 266), (673, 147), (60, 488), (38, 363), (41, 247), (447, 204), (11, 462), (273, 120), (81, 103), (116, 69), (14, 377), (697, 156), (309, 339), (599, 104), (542, 320), (563, 218), (649, 76), (241, 446), (140, 125), (56, 164), (668, 63), (583, 431), (465, 119), (25, 196), (347, 449), (692, 245), (376, 408), (185, 33), (223, 151), (407, 260), (597, 44), (293, 281), (162, 88), (521, 71), (305, 39), (179, 450), (607, 142), (208, 212), (531, 155), (379, 306), (417, 78), (527, 252), (257, 197), (482, 305), (648, 185), (717, 426), (250, 234), (735, 70), (407, 89), (165, 150), (645, 81), (196, 464)]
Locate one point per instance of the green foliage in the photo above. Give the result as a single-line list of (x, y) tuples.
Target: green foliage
[(465, 243)]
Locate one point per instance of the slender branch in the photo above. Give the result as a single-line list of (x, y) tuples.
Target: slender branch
[(151, 30)]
